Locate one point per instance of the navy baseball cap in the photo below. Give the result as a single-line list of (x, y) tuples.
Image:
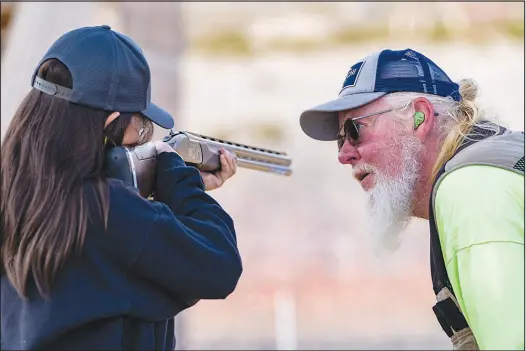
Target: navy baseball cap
[(372, 77), (109, 73)]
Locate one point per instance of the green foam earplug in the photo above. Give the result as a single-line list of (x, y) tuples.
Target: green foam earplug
[(418, 119)]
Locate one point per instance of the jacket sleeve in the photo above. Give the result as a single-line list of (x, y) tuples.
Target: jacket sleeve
[(191, 249), (480, 219)]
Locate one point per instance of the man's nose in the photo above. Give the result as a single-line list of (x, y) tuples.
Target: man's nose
[(348, 154)]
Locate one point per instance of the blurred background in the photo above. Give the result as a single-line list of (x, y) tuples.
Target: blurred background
[(244, 72)]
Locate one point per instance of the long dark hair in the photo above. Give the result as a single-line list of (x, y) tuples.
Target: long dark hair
[(51, 150)]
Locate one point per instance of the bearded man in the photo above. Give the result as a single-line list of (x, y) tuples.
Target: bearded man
[(420, 146)]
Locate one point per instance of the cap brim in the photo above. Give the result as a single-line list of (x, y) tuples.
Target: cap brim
[(321, 122), (159, 116)]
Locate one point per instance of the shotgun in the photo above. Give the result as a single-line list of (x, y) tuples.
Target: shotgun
[(137, 166)]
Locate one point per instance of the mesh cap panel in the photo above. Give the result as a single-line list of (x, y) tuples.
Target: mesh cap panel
[(407, 70)]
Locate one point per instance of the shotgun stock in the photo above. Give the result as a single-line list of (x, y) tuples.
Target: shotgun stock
[(137, 166)]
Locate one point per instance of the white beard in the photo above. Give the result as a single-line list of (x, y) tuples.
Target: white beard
[(391, 199)]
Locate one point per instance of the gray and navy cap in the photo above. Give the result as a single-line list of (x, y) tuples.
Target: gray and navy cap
[(372, 77), (109, 73)]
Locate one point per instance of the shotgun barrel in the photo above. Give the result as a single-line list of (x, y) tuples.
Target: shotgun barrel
[(203, 152)]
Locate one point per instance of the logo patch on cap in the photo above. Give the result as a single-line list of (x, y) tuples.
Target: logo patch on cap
[(352, 75), (411, 54)]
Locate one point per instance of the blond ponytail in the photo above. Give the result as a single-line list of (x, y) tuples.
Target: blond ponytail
[(466, 114)]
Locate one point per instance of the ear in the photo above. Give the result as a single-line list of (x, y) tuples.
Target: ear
[(424, 128), (111, 118)]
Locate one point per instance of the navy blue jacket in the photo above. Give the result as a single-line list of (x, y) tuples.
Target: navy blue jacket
[(156, 259)]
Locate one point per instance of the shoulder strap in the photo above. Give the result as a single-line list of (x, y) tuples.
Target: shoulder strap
[(504, 151)]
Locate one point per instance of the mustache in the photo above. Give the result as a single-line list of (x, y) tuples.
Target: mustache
[(364, 168)]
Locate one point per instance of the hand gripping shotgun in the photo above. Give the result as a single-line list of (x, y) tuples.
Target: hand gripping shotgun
[(137, 166)]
